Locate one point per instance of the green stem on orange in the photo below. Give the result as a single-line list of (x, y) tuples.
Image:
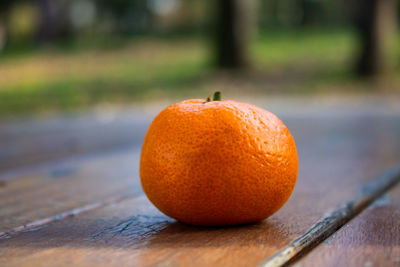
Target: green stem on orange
[(217, 96)]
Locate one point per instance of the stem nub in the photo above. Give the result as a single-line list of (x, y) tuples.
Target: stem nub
[(217, 96)]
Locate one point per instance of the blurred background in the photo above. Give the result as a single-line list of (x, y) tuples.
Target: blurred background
[(67, 55), (81, 80)]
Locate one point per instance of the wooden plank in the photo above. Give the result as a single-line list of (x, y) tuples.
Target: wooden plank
[(337, 157), (333, 221), (32, 141), (371, 239), (71, 184), (134, 232)]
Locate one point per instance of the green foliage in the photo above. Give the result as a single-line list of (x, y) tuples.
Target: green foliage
[(63, 81), (151, 68)]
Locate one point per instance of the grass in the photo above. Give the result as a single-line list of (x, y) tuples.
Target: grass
[(58, 80), (55, 80), (277, 49)]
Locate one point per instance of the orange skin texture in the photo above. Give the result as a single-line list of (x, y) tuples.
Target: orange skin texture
[(218, 163)]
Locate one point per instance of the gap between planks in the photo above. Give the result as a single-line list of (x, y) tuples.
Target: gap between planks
[(333, 221), (58, 217)]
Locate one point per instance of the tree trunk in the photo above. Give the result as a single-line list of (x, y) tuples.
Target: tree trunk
[(4, 27), (234, 29), (376, 24), (54, 22)]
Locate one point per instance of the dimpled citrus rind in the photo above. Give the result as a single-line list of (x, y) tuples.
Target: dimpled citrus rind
[(218, 163)]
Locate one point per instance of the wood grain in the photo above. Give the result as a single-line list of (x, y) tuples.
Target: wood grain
[(134, 233), (333, 221), (30, 141), (48, 192), (371, 239), (337, 157)]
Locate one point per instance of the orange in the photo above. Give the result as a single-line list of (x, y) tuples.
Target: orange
[(218, 162)]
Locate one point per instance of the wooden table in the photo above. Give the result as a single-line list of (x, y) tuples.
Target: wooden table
[(70, 195)]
